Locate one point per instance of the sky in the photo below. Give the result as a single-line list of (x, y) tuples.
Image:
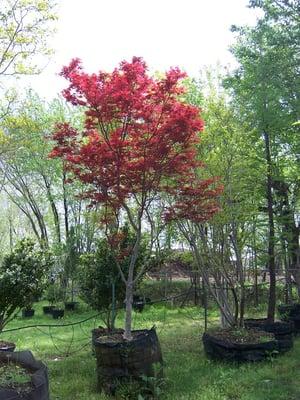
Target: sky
[(190, 34)]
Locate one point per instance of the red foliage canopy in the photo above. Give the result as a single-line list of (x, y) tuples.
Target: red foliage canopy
[(139, 139)]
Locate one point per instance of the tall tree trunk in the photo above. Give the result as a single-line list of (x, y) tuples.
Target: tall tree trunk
[(130, 287), (271, 239), (66, 210), (218, 292), (241, 274), (290, 230), (53, 208)]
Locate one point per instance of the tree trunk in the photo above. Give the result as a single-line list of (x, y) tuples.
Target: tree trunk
[(290, 231), (53, 208), (66, 211), (128, 312), (241, 275), (129, 288), (271, 239)]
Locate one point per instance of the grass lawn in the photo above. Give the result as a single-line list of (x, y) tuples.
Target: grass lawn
[(189, 374)]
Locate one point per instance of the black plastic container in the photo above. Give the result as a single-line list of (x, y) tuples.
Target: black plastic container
[(283, 331), (290, 312), (220, 349), (48, 309), (7, 346), (118, 360), (39, 377), (57, 313), (28, 313), (70, 305)]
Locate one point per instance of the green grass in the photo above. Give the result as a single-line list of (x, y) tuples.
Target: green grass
[(189, 374)]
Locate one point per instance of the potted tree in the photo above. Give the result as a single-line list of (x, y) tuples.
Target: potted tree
[(22, 276), (70, 269), (232, 344), (139, 142), (100, 283), (28, 311), (55, 296), (58, 311)]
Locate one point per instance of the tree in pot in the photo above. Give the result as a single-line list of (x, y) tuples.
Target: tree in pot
[(28, 310), (70, 269), (100, 283), (219, 246), (269, 107), (22, 277), (139, 142), (54, 293), (55, 296)]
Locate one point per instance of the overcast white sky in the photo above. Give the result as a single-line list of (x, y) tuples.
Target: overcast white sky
[(190, 34)]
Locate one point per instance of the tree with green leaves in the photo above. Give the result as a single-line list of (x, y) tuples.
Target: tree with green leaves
[(22, 277), (266, 96), (37, 184), (220, 246), (100, 282), (25, 28)]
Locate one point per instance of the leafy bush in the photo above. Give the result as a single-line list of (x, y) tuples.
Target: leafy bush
[(55, 293), (22, 276), (98, 273), (71, 259)]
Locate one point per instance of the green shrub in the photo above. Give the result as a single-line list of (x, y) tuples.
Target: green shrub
[(22, 278), (55, 293), (99, 278)]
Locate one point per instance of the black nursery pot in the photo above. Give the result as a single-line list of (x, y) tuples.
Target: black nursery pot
[(28, 313), (39, 377), (70, 305), (138, 306), (7, 346), (57, 313), (99, 332), (283, 331), (290, 312), (48, 309), (220, 349), (119, 360), (138, 303)]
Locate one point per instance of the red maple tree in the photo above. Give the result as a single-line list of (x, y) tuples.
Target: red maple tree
[(138, 142)]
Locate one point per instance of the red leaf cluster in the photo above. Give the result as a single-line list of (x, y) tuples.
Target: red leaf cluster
[(195, 201), (139, 137)]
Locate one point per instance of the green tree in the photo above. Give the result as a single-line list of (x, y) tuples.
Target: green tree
[(35, 183), (25, 27), (100, 282), (220, 246), (22, 277), (266, 95)]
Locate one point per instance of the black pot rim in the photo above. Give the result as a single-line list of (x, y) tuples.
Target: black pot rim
[(277, 326), (36, 376), (143, 333), (237, 346), (9, 348)]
